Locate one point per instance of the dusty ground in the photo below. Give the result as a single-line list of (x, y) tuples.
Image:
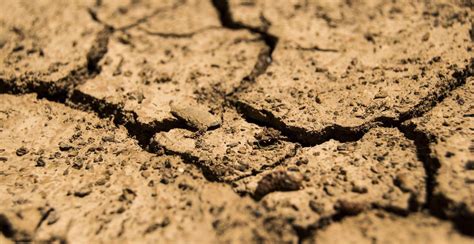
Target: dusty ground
[(240, 121)]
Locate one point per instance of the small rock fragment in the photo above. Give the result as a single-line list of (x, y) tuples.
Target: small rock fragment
[(164, 181), (63, 146), (316, 206), (359, 187), (101, 181), (78, 164), (349, 207), (195, 116), (21, 151), (381, 95), (109, 138), (83, 191), (470, 165), (280, 180), (267, 137), (425, 37), (40, 162)]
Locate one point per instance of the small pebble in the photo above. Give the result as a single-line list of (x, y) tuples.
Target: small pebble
[(195, 116), (40, 162), (21, 151), (279, 180), (83, 191), (359, 188), (78, 164), (109, 138), (350, 208), (470, 165), (64, 146)]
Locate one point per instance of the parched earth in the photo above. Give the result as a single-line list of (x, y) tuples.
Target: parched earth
[(237, 121)]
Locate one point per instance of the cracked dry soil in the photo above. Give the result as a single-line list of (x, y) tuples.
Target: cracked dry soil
[(237, 121)]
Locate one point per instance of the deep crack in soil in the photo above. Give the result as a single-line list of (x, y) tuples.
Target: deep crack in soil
[(265, 55)]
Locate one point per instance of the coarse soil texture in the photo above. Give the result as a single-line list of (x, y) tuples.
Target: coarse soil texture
[(237, 121)]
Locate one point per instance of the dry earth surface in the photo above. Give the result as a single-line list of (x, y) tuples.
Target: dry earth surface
[(237, 121)]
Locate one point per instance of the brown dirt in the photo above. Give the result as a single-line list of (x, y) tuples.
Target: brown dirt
[(238, 121)]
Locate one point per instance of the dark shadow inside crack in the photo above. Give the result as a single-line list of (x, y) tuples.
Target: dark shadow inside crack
[(225, 17), (300, 135), (98, 51), (139, 131), (436, 204), (306, 138)]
